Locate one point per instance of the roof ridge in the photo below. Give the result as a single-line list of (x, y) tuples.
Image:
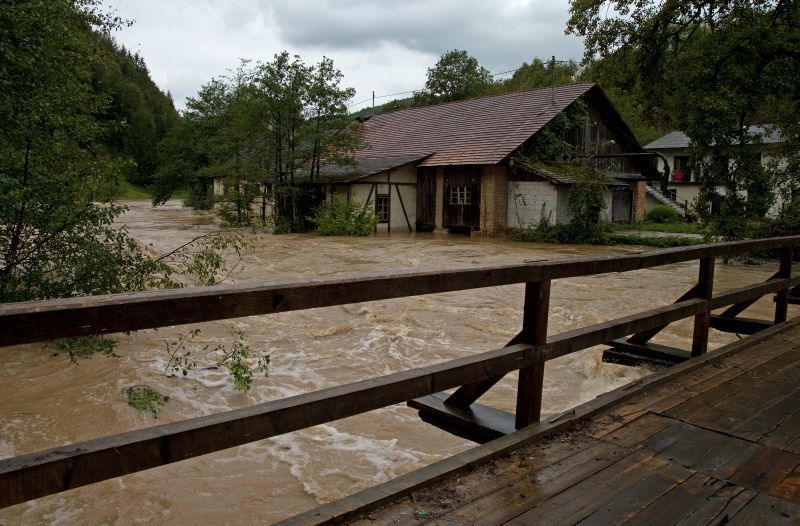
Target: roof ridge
[(482, 97)]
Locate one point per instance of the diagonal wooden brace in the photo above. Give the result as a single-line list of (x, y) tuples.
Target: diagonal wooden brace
[(534, 332), (643, 337), (735, 310), (702, 289)]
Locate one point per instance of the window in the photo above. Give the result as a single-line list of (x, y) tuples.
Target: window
[(382, 207), (682, 171), (460, 195)]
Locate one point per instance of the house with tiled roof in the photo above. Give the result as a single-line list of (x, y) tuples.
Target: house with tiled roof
[(451, 166), (684, 178)]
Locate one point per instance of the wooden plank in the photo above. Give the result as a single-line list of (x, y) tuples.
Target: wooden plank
[(685, 498), (626, 352), (785, 271), (740, 307), (478, 423), (734, 412), (739, 325), (532, 314), (26, 322), (536, 474), (719, 508), (579, 339), (534, 328), (767, 470), (715, 454), (59, 469), (687, 386), (785, 433), (645, 477), (710, 397), (638, 496), (705, 288), (782, 412), (645, 336), (736, 354), (543, 480), (633, 433), (746, 293), (766, 509), (789, 488)]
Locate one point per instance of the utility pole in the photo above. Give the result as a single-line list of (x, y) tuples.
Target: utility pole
[(373, 103), (553, 80)]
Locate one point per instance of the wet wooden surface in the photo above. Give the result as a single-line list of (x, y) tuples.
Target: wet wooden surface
[(719, 445)]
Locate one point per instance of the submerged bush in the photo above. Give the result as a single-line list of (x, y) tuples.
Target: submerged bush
[(145, 399), (662, 214), (337, 217), (571, 233)]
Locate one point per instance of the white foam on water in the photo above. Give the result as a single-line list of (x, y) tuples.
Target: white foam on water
[(331, 463)]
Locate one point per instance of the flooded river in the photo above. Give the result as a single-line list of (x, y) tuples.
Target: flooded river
[(46, 401)]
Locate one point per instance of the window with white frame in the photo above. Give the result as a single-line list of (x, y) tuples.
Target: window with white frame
[(382, 207), (460, 195)]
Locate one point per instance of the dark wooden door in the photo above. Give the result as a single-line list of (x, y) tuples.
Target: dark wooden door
[(426, 199), (462, 195), (621, 204)]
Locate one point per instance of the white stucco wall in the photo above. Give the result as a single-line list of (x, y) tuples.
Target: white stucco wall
[(689, 191), (386, 182), (530, 201)]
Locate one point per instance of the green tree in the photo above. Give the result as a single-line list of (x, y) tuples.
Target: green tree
[(138, 114), (266, 129), (712, 69), (540, 74), (56, 236), (457, 76)]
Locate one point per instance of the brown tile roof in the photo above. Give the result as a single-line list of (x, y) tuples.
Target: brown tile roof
[(477, 131), (334, 173)]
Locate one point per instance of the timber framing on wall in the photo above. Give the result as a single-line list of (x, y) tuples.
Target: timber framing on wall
[(374, 191)]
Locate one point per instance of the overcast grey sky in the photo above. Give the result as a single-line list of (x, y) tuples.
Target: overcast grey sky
[(381, 46)]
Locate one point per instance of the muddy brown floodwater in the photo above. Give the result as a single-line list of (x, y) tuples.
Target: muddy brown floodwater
[(46, 401)]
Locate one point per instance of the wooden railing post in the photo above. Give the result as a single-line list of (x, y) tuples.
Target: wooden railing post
[(534, 332), (705, 290), (784, 272)]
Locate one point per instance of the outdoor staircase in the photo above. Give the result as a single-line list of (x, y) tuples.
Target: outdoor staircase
[(671, 200)]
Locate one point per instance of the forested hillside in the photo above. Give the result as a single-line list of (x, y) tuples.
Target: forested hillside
[(140, 113)]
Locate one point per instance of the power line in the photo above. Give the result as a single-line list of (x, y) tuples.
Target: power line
[(570, 61)]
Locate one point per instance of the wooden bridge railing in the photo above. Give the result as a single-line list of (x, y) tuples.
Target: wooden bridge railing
[(58, 469)]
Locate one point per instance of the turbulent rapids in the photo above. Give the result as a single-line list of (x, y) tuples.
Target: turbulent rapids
[(46, 401)]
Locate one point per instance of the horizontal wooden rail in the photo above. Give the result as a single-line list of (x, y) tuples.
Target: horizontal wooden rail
[(59, 469), (54, 470), (46, 472), (579, 339), (44, 320), (748, 293)]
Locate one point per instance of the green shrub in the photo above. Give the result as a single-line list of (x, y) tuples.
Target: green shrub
[(587, 201), (679, 227), (543, 232), (146, 399), (662, 214), (546, 232), (786, 224), (657, 242), (82, 347), (337, 217)]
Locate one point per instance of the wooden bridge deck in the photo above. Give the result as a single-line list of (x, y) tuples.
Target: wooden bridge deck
[(711, 443)]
